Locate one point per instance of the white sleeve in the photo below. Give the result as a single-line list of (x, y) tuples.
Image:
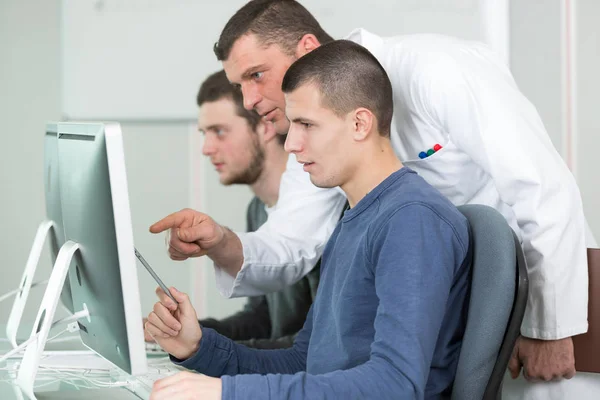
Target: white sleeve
[(476, 101), (290, 243)]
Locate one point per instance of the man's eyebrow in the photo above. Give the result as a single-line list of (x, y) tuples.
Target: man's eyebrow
[(214, 127), (298, 120), (252, 70)]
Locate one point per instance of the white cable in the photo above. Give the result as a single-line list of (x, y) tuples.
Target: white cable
[(18, 348), (91, 379), (74, 317), (25, 344), (10, 294), (57, 335), (85, 376)]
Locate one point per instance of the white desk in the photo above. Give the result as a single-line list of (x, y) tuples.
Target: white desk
[(74, 384)]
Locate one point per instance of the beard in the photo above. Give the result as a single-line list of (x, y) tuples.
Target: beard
[(251, 174)]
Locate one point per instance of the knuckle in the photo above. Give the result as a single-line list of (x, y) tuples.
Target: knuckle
[(533, 373), (153, 320)]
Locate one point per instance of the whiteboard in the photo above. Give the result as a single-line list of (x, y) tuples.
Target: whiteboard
[(145, 59)]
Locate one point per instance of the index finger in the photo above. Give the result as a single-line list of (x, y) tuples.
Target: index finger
[(165, 300), (170, 221)]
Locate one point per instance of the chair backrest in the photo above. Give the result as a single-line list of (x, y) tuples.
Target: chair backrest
[(496, 306)]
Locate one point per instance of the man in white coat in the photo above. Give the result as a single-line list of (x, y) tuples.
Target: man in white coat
[(461, 123)]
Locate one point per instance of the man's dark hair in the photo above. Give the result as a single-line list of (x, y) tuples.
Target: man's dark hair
[(348, 76), (217, 87), (281, 22)]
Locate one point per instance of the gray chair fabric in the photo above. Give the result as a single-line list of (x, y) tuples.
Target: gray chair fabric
[(496, 306)]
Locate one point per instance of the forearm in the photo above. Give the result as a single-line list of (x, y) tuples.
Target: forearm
[(374, 380), (284, 342), (218, 356), (555, 251), (228, 255)]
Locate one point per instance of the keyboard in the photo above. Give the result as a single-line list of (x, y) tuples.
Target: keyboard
[(153, 350)]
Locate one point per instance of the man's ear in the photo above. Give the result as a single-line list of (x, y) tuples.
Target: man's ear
[(308, 43), (363, 122)]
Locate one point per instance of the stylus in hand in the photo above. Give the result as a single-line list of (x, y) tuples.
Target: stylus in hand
[(156, 278)]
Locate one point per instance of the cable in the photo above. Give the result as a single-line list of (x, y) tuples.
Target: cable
[(85, 376), (74, 317), (10, 294), (19, 348), (57, 335), (26, 343)]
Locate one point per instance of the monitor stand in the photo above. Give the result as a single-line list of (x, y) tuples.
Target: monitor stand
[(44, 320), (16, 313)]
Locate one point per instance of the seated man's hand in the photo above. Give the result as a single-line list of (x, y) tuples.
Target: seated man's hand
[(189, 233), (147, 337), (543, 360), (174, 326), (187, 385)]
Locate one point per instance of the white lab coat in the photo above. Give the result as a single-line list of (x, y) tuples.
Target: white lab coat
[(495, 151)]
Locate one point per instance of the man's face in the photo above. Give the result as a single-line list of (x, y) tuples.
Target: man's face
[(233, 147), (259, 71), (320, 139)]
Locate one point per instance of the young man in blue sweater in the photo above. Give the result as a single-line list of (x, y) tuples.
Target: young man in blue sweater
[(390, 311)]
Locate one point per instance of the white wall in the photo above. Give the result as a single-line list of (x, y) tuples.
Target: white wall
[(538, 63), (588, 118), (29, 96), (535, 59)]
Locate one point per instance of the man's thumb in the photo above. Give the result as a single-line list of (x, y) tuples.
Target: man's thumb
[(514, 365), (185, 305)]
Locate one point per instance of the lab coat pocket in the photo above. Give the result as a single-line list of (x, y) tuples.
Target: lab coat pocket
[(450, 170)]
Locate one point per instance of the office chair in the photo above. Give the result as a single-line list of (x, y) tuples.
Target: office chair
[(497, 302)]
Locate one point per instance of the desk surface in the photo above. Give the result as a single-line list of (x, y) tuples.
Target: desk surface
[(54, 385)]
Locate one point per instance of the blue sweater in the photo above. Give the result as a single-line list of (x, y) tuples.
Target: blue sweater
[(390, 311)]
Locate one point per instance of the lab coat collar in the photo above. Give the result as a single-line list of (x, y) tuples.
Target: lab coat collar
[(369, 40)]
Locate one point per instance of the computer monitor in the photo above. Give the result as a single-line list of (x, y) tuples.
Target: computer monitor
[(50, 230), (95, 213), (53, 205)]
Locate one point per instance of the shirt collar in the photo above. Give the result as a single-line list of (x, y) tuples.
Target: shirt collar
[(369, 40)]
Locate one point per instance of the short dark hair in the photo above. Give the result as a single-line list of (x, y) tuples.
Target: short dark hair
[(348, 77), (281, 22), (217, 87)]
